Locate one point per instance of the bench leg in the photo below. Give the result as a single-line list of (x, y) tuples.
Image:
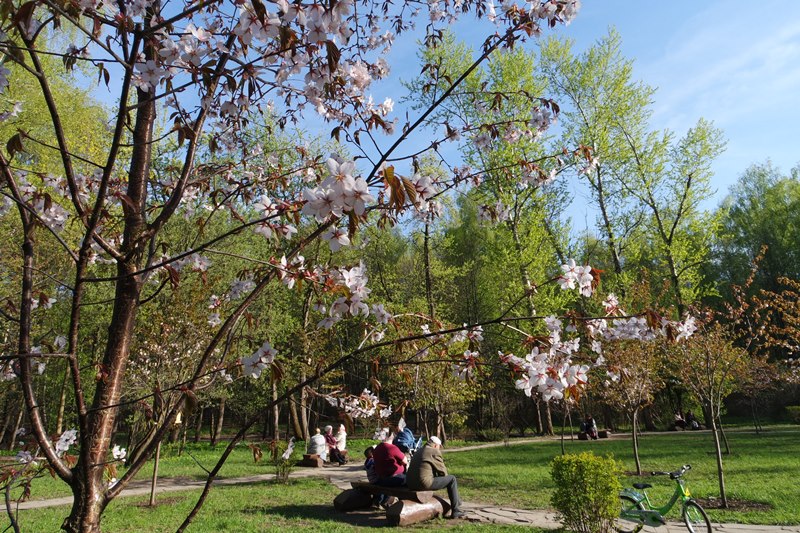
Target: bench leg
[(405, 512), (352, 499)]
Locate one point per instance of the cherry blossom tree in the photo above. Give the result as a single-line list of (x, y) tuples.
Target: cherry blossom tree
[(190, 80), (193, 77)]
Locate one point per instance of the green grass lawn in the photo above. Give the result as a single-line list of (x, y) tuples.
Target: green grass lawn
[(761, 468), (195, 457), (302, 505)]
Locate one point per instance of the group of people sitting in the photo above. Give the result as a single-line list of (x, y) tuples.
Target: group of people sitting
[(396, 463), (589, 427), (329, 447), (685, 422)]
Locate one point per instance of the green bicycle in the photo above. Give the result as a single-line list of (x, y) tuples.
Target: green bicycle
[(638, 511)]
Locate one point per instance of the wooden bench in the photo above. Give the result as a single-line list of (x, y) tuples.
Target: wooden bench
[(411, 507)]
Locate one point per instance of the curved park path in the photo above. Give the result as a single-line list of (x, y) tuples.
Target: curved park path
[(342, 476)]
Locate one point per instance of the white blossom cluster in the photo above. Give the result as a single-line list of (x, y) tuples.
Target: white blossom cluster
[(465, 368), (354, 280), (254, 364), (287, 454), (268, 228), (365, 405), (494, 213), (26, 458), (340, 192), (119, 454), (575, 275), (551, 372), (194, 262), (67, 439)]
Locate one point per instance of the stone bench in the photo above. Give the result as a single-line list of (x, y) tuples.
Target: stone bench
[(411, 507)]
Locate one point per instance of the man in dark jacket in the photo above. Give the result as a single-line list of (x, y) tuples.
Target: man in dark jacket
[(427, 472)]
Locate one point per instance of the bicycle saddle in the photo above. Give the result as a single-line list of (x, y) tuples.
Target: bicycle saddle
[(641, 486)]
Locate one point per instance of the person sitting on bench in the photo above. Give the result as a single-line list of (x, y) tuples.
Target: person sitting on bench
[(390, 463), (428, 472), (317, 446), (333, 452), (589, 426)]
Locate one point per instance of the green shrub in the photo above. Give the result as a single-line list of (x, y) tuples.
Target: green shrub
[(794, 413), (490, 435), (587, 491)]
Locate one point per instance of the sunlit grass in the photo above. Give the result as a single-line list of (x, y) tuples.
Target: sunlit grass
[(302, 505), (762, 468)]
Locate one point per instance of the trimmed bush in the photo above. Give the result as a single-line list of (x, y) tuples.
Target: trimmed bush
[(794, 413), (587, 491)]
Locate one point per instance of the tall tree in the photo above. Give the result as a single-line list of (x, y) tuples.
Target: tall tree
[(645, 185), (206, 71), (761, 209)]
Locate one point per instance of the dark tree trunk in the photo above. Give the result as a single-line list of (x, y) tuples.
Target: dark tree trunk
[(649, 424), (428, 281), (6, 421), (724, 436), (276, 413), (154, 478), (88, 485), (548, 419), (539, 422), (304, 411), (62, 400), (220, 421), (294, 417), (635, 419), (14, 434), (720, 472), (198, 426)]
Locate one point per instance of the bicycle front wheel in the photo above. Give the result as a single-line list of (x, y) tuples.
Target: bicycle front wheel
[(628, 525), (695, 518)]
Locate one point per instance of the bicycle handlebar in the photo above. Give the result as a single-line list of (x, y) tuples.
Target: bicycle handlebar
[(673, 475)]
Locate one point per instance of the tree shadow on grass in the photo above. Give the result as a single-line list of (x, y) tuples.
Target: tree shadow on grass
[(323, 512)]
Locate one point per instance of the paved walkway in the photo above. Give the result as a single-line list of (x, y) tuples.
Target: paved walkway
[(342, 476)]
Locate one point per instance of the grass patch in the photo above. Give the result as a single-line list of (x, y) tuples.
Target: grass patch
[(302, 505), (761, 472), (761, 468)]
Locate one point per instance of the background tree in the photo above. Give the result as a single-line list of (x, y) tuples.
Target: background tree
[(710, 365), (761, 209)]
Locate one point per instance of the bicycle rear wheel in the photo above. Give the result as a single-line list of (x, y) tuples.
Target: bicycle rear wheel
[(695, 518), (627, 525)]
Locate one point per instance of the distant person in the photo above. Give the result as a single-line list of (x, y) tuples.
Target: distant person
[(334, 454), (317, 446), (428, 472), (679, 422), (341, 438), (372, 475), (404, 439), (390, 463), (691, 421), (369, 464), (589, 426)]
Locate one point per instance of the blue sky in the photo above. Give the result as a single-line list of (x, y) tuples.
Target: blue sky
[(733, 62)]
